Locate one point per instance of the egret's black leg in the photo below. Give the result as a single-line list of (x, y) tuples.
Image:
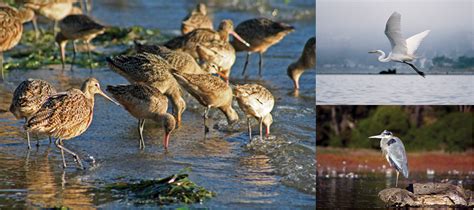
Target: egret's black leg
[(414, 68)]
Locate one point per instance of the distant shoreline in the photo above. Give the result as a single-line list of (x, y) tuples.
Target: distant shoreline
[(367, 159)]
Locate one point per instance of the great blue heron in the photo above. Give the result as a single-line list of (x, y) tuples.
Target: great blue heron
[(403, 51), (394, 151)]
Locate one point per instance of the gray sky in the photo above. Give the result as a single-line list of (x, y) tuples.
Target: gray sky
[(351, 28)]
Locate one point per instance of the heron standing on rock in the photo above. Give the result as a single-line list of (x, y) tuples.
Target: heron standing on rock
[(394, 151)]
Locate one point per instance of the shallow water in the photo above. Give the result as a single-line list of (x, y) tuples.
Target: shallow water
[(277, 173), (362, 192), (394, 89)]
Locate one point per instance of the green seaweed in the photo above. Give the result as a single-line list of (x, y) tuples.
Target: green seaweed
[(34, 53), (176, 188)]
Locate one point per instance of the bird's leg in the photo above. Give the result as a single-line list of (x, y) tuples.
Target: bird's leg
[(260, 64), (35, 26), (246, 63), (28, 137), (249, 128), (1, 65), (37, 143), (261, 123), (396, 182), (55, 26), (206, 129), (141, 131), (416, 69), (89, 55), (76, 157), (57, 142), (74, 50), (50, 139)]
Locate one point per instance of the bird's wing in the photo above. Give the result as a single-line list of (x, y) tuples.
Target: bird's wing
[(393, 32), (397, 155), (414, 42)]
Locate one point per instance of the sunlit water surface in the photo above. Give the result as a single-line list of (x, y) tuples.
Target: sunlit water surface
[(395, 89), (277, 173)]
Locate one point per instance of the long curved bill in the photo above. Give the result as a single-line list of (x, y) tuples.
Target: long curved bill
[(376, 137), (166, 140), (108, 98), (239, 38)]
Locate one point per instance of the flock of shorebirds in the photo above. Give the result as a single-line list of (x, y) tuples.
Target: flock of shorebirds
[(156, 73)]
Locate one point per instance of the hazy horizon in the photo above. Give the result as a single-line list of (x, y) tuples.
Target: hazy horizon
[(347, 30)]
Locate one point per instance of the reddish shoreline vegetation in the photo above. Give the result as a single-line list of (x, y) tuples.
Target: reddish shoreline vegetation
[(366, 160)]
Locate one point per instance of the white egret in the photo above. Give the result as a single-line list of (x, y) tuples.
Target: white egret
[(403, 51)]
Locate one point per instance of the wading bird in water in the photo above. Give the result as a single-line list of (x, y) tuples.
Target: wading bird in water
[(394, 152), (403, 51)]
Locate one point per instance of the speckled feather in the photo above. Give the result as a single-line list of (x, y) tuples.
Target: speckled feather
[(254, 99), (181, 61), (64, 115), (207, 89), (80, 26), (196, 19), (140, 99), (11, 28), (261, 33), (29, 96), (142, 67)]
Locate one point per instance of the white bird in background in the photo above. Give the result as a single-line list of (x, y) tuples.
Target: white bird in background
[(403, 51)]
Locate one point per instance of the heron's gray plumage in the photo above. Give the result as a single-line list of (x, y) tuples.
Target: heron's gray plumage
[(394, 151)]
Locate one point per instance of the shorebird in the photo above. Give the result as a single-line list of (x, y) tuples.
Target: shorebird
[(211, 92), (11, 28), (145, 102), (260, 33), (28, 98), (74, 27), (67, 115), (54, 10), (217, 56), (394, 151), (256, 101), (197, 18), (307, 60), (180, 61), (189, 41), (403, 51), (152, 70)]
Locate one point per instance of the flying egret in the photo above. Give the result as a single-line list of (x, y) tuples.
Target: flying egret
[(403, 51), (394, 151)]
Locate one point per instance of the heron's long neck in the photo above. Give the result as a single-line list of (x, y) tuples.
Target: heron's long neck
[(382, 57)]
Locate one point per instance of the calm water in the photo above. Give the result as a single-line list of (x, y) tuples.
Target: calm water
[(278, 173), (363, 192), (395, 89)]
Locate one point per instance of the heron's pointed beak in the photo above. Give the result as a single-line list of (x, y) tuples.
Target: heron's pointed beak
[(239, 38), (376, 137), (108, 98)]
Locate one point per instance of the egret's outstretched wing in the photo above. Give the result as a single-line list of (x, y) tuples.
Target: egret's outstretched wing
[(397, 155), (414, 42), (394, 33)]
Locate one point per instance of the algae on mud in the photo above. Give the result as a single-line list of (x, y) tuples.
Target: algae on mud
[(34, 53), (176, 188)]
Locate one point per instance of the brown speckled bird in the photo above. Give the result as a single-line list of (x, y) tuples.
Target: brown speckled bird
[(307, 60), (256, 101), (75, 27), (67, 115), (180, 61), (217, 56), (152, 70), (260, 33), (211, 92), (145, 102), (11, 28), (197, 18), (54, 10), (28, 98), (189, 41)]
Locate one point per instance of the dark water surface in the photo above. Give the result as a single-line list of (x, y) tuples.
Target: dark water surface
[(277, 173), (362, 192)]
